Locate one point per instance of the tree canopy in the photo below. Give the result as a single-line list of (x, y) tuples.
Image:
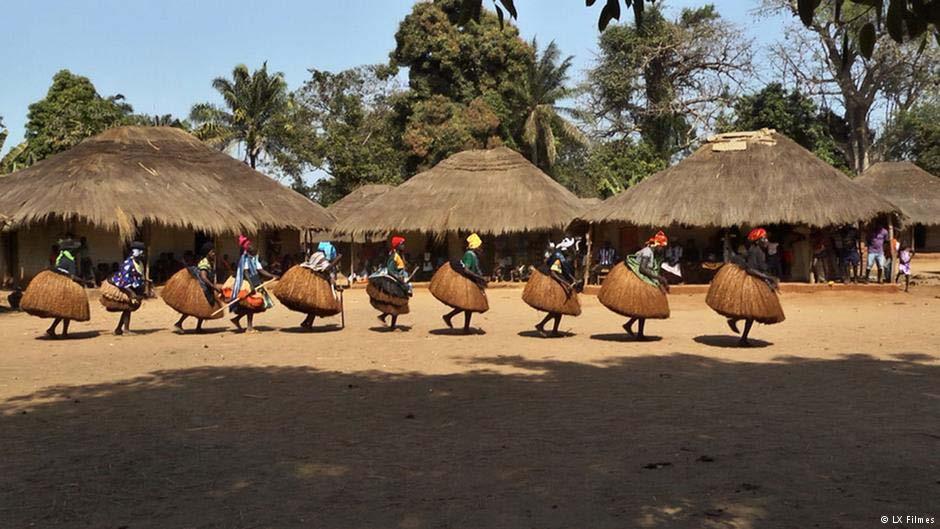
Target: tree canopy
[(71, 111), (914, 135)]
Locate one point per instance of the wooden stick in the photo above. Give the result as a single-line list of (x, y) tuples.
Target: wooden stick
[(237, 299)]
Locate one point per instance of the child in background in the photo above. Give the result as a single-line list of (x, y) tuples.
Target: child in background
[(904, 266)]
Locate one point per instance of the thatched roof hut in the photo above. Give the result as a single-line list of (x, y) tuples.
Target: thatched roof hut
[(907, 186), (746, 179), (128, 176), (357, 199), (492, 192)]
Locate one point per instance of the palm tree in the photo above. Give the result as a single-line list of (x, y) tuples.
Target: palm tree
[(253, 115), (547, 84)]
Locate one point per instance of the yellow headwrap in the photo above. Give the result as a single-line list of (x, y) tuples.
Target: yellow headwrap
[(474, 241)]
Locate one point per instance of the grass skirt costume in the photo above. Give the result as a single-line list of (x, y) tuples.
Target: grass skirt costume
[(736, 294), (456, 288), (305, 290), (248, 301), (187, 293), (54, 295), (388, 294), (115, 299), (545, 293), (626, 292)]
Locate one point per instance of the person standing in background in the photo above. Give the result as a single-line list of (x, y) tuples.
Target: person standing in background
[(877, 237)]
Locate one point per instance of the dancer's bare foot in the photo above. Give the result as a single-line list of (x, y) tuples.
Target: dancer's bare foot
[(447, 322), (50, 332), (626, 327), (540, 328), (733, 325), (119, 331), (237, 322)]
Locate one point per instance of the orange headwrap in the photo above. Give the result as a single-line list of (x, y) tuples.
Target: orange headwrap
[(757, 234), (659, 239), (397, 241)]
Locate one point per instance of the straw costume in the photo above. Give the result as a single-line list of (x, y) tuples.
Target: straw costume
[(251, 296), (744, 290), (123, 291), (389, 289), (552, 287), (636, 288), (461, 285), (193, 291), (56, 293), (310, 287)]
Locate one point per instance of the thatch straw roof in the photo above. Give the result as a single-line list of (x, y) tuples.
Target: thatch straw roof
[(356, 201), (907, 186), (493, 192), (590, 202), (747, 178), (126, 176)]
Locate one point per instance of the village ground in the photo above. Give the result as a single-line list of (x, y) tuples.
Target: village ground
[(832, 421)]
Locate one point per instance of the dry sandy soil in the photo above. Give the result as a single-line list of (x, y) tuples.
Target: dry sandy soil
[(832, 421)]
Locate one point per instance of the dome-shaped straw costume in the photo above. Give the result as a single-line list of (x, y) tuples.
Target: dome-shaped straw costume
[(193, 292), (124, 290), (552, 287), (310, 288), (636, 287), (56, 293), (251, 295), (461, 285), (389, 289), (743, 290)]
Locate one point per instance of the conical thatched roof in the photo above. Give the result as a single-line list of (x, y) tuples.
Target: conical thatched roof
[(747, 178), (488, 191), (130, 175), (907, 186), (357, 199)]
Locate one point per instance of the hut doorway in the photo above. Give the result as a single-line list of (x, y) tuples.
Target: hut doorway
[(199, 239)]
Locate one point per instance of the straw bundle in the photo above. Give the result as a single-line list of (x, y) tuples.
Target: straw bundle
[(248, 301), (457, 290), (384, 296), (53, 295), (628, 295), (736, 294), (542, 292), (116, 300), (302, 290), (184, 294)]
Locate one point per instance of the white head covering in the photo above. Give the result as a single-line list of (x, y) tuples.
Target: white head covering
[(565, 243)]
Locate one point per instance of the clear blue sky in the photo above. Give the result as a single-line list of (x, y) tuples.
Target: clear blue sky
[(162, 54)]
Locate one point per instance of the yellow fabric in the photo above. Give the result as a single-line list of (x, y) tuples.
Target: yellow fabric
[(399, 261), (474, 241), (556, 266)]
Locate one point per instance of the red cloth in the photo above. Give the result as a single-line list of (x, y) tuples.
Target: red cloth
[(757, 234), (659, 239), (397, 241), (243, 242)]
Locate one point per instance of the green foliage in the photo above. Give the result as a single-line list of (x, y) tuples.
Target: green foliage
[(607, 168), (790, 113), (255, 114), (665, 79), (915, 135), (356, 141), (546, 84), (467, 71), (3, 134), (71, 111), (159, 120)]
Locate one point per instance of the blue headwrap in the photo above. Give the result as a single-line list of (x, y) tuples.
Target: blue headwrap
[(329, 251)]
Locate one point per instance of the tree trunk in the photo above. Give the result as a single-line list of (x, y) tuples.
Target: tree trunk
[(859, 138)]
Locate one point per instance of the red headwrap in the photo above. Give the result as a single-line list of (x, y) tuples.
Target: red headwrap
[(397, 241), (757, 234), (659, 239), (243, 242)]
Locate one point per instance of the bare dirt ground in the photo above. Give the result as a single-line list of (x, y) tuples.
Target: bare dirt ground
[(832, 422)]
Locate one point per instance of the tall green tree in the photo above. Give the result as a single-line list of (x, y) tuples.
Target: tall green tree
[(355, 142), (473, 68), (3, 133), (71, 111), (915, 135), (254, 115), (790, 113), (546, 84), (606, 167), (666, 80)]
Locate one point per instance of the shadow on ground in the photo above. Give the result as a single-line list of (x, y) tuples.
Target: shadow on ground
[(659, 442)]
